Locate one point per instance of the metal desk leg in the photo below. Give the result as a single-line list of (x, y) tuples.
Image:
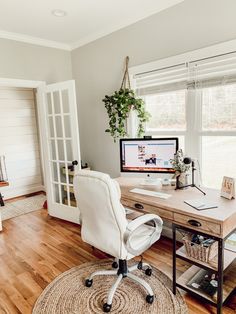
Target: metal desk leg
[(1, 200), (220, 275), (174, 257)]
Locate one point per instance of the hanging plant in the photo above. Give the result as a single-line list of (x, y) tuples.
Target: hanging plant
[(120, 104)]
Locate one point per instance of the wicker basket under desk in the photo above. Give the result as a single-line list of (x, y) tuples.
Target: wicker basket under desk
[(199, 252)]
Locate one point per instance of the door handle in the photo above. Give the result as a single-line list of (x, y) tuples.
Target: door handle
[(194, 223), (138, 206)]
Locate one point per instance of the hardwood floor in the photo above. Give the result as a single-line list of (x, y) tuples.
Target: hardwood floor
[(35, 248)]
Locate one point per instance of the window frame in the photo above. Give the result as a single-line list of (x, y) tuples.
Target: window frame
[(193, 133)]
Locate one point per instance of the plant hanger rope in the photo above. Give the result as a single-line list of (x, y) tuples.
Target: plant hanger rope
[(120, 104), (126, 78)]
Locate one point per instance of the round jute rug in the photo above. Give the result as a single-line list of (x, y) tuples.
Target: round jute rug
[(67, 294)]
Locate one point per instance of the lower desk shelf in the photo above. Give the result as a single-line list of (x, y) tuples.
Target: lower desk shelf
[(229, 282)]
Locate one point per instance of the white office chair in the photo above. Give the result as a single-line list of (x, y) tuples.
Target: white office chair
[(104, 226)]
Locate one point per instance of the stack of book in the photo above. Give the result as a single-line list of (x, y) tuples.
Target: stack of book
[(230, 243)]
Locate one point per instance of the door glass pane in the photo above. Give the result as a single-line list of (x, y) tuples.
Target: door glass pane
[(60, 145), (59, 126), (51, 129), (67, 193), (167, 111), (62, 173), (56, 193), (65, 101), (218, 159), (67, 126), (49, 103), (53, 150), (69, 150), (219, 107), (54, 171), (56, 101)]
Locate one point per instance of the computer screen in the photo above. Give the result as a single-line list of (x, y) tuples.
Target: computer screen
[(148, 155)]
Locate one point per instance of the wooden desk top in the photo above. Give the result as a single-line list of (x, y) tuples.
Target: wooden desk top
[(217, 221), (3, 183)]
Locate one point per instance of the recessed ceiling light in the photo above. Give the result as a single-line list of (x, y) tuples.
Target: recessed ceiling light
[(58, 13)]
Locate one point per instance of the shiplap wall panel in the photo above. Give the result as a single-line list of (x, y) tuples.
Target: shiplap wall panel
[(16, 121), (19, 141)]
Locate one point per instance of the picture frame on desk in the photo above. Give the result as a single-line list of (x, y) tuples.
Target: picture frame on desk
[(228, 188)]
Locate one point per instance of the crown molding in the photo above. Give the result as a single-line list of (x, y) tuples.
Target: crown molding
[(87, 39), (34, 40)]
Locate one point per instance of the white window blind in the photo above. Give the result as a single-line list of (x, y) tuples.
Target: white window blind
[(160, 80), (213, 71)]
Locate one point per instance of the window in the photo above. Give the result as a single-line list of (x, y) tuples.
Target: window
[(218, 134), (199, 107), (167, 110), (168, 115)]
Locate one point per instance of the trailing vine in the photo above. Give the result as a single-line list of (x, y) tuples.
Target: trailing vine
[(120, 104)]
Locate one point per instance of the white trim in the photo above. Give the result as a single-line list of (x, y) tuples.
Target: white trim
[(213, 50), (22, 191), (34, 40), (89, 38), (207, 52), (7, 82)]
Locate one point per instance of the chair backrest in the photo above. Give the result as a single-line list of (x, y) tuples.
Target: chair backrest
[(103, 218)]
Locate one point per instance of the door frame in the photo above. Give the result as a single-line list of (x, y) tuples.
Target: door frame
[(40, 102)]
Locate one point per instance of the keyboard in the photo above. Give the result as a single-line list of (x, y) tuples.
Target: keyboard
[(151, 193)]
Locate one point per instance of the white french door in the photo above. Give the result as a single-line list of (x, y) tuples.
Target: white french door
[(61, 149)]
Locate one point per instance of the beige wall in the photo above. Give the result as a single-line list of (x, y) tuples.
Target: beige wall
[(31, 62), (97, 67)]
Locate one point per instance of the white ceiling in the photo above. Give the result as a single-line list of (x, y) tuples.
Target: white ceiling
[(86, 20)]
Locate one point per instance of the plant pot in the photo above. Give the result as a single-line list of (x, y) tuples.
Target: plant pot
[(181, 180)]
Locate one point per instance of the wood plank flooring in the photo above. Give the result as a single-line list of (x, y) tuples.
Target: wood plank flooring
[(35, 248)]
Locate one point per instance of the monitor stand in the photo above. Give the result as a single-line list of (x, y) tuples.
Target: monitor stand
[(152, 182)]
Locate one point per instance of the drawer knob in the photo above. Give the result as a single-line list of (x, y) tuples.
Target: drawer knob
[(194, 223), (138, 206)]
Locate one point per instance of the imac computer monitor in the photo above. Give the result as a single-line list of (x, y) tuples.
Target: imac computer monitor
[(148, 155)]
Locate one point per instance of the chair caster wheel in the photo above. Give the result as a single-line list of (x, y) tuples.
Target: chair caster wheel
[(88, 283), (148, 272), (114, 265), (150, 298), (106, 307)]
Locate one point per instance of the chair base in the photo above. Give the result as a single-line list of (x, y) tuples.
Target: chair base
[(122, 272)]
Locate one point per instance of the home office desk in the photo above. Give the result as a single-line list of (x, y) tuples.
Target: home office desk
[(218, 223)]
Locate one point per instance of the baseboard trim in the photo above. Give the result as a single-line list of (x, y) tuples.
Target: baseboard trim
[(21, 192)]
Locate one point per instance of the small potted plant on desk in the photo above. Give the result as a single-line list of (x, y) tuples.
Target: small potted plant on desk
[(181, 169)]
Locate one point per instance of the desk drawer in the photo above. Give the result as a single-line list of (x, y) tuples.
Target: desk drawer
[(198, 224), (141, 207)]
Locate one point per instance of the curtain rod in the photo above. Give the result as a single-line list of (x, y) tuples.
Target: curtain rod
[(164, 68)]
